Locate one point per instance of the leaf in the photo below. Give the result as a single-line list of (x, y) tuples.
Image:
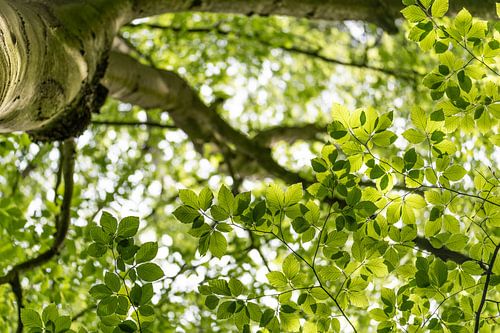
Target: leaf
[(413, 13), (31, 318), (290, 266), (112, 281), (108, 223), (98, 235), (220, 287), (454, 172), (149, 272), (439, 8), (107, 306), (128, 226), (100, 291), (236, 287), (377, 267), (414, 136), (146, 252), (226, 199), (318, 165), (384, 139), (419, 118), (457, 242), (226, 310), (218, 244), (189, 198), (62, 324), (293, 194), (300, 225), (186, 214), (205, 198), (277, 279), (439, 272), (211, 302), (275, 197), (463, 21)]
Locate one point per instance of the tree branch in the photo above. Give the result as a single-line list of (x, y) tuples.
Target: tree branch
[(150, 87), (15, 284), (62, 221), (489, 272), (382, 13), (132, 123), (404, 74)]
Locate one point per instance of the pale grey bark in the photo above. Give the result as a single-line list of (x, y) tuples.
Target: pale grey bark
[(381, 12), (52, 55), (53, 52)]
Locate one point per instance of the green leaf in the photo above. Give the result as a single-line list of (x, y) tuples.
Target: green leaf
[(457, 242), (463, 22), (439, 8), (318, 165), (186, 214), (31, 318), (149, 272), (226, 199), (218, 213), (226, 310), (220, 287), (189, 198), (146, 252), (293, 194), (419, 118), (275, 197), (414, 136), (438, 272), (413, 13), (211, 302), (112, 281), (291, 266), (108, 223), (384, 139), (218, 244), (128, 227), (107, 306), (236, 287), (97, 250), (98, 235), (277, 279), (62, 324), (454, 172), (300, 225), (241, 203), (147, 293), (205, 198), (100, 291)]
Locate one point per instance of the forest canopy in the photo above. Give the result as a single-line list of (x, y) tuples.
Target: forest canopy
[(248, 167)]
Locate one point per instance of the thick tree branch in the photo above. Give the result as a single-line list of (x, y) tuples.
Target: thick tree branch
[(149, 87), (405, 74), (289, 134), (153, 88), (132, 123), (62, 221), (381, 12)]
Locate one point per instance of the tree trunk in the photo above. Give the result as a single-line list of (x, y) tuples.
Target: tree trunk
[(54, 52), (52, 56)]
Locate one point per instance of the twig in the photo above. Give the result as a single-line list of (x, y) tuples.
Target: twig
[(15, 284), (133, 123), (63, 220), (489, 272)]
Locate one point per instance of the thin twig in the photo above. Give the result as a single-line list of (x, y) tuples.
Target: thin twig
[(485, 289)]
